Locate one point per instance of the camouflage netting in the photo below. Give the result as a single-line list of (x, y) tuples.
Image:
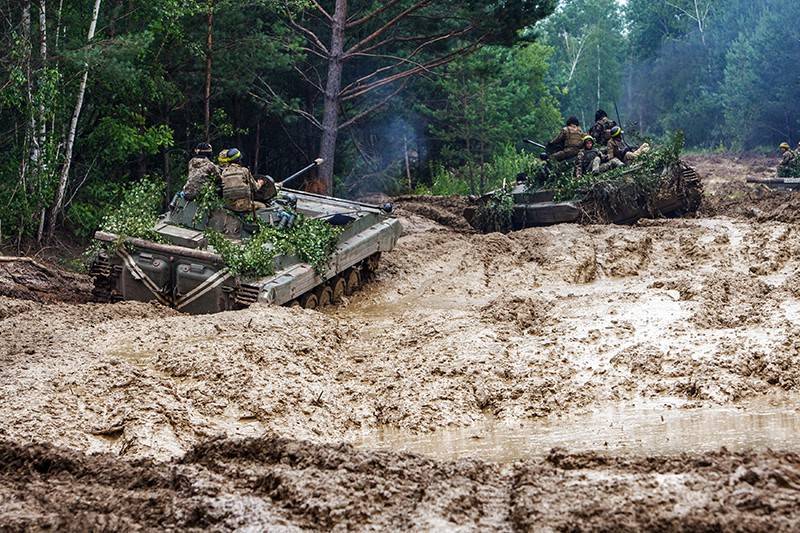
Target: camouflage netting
[(676, 188)]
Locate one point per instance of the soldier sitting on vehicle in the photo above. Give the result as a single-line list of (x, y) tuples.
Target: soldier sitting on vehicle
[(568, 141), (601, 130), (618, 148), (238, 184), (201, 171), (590, 159), (788, 161)]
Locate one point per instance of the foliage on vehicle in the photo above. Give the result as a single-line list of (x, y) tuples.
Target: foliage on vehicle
[(495, 214), (138, 212), (641, 178), (312, 240)]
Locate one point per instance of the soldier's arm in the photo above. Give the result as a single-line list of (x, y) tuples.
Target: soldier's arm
[(560, 138), (579, 165)]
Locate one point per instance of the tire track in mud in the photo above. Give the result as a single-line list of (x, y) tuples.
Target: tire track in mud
[(279, 483), (457, 328)]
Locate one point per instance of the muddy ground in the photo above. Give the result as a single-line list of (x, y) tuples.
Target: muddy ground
[(113, 414)]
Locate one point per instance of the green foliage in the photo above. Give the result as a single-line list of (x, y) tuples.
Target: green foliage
[(491, 99), (586, 69), (495, 214), (641, 178), (208, 200), (311, 240), (87, 213), (138, 213), (473, 179), (444, 182)]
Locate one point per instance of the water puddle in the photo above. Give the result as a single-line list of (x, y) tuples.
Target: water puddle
[(633, 430)]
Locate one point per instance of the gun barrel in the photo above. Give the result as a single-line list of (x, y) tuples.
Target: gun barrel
[(774, 181), (540, 145), (300, 172)]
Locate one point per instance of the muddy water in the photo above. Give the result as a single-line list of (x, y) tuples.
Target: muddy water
[(635, 430)]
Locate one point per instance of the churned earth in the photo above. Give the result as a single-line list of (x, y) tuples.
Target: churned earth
[(572, 377)]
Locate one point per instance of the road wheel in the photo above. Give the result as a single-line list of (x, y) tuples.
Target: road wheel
[(295, 303), (309, 301), (352, 282), (371, 265), (324, 296), (339, 289)]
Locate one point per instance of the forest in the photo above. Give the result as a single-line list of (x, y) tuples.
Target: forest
[(399, 96)]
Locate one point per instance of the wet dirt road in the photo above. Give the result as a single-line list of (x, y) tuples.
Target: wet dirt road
[(637, 352)]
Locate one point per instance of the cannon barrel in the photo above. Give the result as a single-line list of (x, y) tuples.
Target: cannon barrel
[(301, 172)]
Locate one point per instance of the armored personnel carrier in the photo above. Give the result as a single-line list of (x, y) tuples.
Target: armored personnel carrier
[(186, 273), (673, 189)]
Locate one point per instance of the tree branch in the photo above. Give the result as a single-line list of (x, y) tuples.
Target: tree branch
[(308, 80), (322, 10), (380, 31), (357, 91), (311, 36), (370, 16), (373, 108), (432, 40)]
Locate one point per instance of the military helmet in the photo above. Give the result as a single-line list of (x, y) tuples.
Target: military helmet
[(230, 156), (203, 148), (616, 131), (587, 138), (784, 146)]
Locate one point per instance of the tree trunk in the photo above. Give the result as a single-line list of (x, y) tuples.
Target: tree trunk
[(43, 53), (73, 128), (41, 135), (330, 117), (209, 64), (29, 143)]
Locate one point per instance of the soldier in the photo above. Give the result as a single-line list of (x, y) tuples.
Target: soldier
[(601, 130), (201, 171), (592, 159), (568, 142), (787, 161), (238, 185), (619, 149)]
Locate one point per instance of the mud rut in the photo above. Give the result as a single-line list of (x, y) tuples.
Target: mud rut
[(245, 413)]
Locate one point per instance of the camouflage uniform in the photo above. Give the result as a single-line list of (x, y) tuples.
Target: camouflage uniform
[(601, 131), (201, 172), (238, 187), (595, 161), (618, 150), (788, 161), (568, 143), (587, 161)]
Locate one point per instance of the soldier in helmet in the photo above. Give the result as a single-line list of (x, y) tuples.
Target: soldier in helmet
[(568, 142), (590, 159), (788, 159), (601, 131), (619, 149), (201, 172), (238, 184)]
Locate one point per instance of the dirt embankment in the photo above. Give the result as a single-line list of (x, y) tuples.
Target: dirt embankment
[(272, 482), (28, 279)]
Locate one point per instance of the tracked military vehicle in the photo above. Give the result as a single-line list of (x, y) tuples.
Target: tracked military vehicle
[(677, 190), (186, 273)]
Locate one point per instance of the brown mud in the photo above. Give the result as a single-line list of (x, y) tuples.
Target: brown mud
[(542, 326), (276, 483), (39, 281)]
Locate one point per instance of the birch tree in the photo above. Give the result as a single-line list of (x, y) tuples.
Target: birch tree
[(73, 127)]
